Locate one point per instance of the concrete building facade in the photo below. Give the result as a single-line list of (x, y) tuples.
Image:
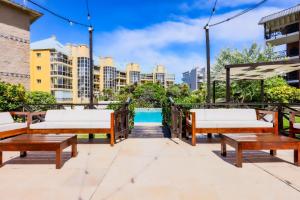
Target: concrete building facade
[(114, 79), (194, 78), (282, 29), (15, 21), (64, 71)]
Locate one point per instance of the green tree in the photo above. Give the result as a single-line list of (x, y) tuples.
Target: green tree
[(245, 90), (11, 96), (108, 94), (149, 95), (39, 101)]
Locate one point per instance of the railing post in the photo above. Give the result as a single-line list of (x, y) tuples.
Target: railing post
[(280, 118)]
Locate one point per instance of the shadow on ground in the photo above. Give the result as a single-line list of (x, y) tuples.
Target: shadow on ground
[(38, 158), (250, 157)]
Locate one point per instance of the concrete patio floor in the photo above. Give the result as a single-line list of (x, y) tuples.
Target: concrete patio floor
[(156, 168)]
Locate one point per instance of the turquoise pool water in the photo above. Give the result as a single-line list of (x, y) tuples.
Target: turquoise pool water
[(148, 116)]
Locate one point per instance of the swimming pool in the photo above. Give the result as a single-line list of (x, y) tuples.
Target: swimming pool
[(148, 115)]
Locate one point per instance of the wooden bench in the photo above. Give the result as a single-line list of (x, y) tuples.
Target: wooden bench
[(8, 127), (114, 123), (294, 127), (23, 143), (207, 121), (242, 142)]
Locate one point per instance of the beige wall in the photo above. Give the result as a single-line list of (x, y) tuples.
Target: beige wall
[(13, 17), (14, 44), (14, 56), (77, 51)]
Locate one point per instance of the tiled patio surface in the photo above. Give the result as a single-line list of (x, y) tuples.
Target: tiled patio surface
[(156, 168)]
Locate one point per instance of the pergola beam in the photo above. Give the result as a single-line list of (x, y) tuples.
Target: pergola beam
[(254, 65)]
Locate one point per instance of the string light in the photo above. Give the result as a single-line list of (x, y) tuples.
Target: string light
[(70, 21), (241, 13), (213, 11)]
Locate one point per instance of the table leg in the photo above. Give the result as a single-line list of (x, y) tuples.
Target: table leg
[(297, 156), (273, 152), (23, 154), (74, 149), (58, 158), (1, 159), (223, 148), (239, 156)]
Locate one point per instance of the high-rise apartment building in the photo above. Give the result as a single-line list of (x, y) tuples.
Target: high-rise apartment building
[(282, 29), (81, 72), (114, 79), (133, 73), (15, 21), (108, 74), (63, 71), (194, 78)]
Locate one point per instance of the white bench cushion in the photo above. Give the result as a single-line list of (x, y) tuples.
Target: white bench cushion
[(225, 114), (6, 118), (12, 126), (70, 125), (78, 115), (297, 125), (233, 124)]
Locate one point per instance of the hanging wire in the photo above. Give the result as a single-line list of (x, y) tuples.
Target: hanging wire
[(88, 9), (213, 11), (70, 21), (240, 13)]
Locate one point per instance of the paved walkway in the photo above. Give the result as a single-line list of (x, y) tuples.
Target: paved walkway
[(150, 168)]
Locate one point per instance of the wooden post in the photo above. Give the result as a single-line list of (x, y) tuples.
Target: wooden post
[(214, 91), (194, 139), (208, 64), (228, 85), (112, 129), (262, 91)]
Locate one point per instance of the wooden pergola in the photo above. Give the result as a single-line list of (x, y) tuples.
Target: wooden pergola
[(254, 71)]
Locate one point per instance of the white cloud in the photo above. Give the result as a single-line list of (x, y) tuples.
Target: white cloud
[(155, 44)]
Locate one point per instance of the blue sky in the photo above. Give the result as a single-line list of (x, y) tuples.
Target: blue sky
[(150, 32)]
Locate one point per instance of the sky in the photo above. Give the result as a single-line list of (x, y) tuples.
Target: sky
[(150, 32)]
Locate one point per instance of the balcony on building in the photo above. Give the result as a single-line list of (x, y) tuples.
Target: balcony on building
[(283, 35)]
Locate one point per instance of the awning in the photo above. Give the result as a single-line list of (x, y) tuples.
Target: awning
[(259, 71)]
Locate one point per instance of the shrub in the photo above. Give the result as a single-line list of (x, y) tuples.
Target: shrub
[(11, 96)]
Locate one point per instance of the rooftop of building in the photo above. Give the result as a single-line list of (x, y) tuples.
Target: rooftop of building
[(283, 13), (34, 15), (48, 44)]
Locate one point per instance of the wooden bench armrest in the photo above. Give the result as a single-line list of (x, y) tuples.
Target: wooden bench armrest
[(190, 118), (13, 113), (275, 117), (38, 114), (22, 114), (293, 116)]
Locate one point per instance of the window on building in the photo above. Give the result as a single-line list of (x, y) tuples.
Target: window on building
[(39, 68), (39, 81), (38, 55)]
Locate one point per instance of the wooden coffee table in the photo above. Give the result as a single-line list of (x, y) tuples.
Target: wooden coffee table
[(28, 142), (253, 141)]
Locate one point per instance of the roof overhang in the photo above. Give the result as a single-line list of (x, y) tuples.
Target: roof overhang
[(33, 14), (281, 14), (259, 71)]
